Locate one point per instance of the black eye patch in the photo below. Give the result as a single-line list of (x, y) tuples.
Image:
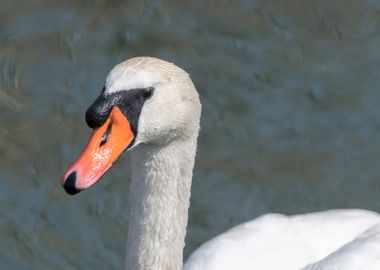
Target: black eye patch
[(130, 103), (148, 93)]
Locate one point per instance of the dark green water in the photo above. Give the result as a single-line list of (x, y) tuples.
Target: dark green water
[(291, 115)]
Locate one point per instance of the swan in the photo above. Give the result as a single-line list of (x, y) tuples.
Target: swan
[(151, 108)]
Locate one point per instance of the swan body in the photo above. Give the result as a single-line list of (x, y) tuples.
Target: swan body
[(151, 108), (323, 240)]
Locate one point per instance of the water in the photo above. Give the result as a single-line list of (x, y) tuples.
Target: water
[(290, 93)]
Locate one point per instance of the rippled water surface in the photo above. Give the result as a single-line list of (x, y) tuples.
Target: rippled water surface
[(290, 124)]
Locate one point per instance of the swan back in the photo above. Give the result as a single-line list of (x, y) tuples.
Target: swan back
[(275, 241)]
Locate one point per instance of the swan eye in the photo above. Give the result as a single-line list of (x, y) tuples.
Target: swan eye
[(148, 93), (105, 135)]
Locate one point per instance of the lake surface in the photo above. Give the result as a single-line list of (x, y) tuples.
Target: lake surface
[(290, 120)]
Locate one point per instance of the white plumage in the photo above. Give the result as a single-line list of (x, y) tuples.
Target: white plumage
[(162, 164), (335, 239)]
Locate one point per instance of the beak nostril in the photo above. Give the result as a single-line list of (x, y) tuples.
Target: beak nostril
[(106, 134), (69, 184), (104, 139)]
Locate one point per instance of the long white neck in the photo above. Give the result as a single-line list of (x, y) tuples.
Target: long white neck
[(158, 206)]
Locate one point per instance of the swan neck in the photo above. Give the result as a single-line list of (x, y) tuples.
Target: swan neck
[(158, 206)]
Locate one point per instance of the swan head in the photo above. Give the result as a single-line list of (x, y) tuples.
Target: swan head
[(145, 100)]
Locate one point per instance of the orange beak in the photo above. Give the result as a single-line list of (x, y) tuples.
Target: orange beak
[(104, 147)]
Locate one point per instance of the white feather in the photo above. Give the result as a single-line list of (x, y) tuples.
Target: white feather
[(283, 242), (162, 167)]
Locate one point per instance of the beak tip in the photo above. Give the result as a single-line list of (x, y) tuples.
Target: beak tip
[(69, 184)]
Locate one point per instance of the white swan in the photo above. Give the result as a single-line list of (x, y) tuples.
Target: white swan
[(152, 106)]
